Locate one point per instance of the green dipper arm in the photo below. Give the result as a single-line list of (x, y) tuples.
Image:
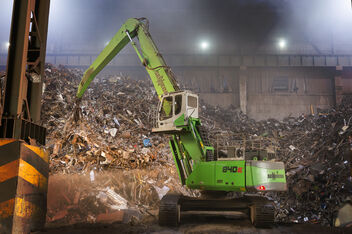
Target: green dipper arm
[(160, 74)]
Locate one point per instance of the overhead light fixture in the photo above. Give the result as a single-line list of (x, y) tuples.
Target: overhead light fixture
[(282, 44), (204, 45)]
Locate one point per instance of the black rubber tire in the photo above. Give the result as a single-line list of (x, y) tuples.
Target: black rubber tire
[(262, 215), (170, 210)]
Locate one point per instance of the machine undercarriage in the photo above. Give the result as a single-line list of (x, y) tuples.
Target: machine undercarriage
[(260, 210)]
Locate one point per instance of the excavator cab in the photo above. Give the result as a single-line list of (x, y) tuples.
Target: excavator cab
[(174, 111)]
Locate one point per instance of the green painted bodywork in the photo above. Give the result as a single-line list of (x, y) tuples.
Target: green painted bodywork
[(187, 146), (180, 121), (233, 176), (256, 176), (211, 176)]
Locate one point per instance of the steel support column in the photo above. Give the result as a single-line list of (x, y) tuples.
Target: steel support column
[(338, 92), (36, 56), (25, 67), (23, 185), (243, 88), (24, 167), (16, 81)]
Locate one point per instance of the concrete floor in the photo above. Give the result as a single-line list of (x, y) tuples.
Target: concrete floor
[(194, 224)]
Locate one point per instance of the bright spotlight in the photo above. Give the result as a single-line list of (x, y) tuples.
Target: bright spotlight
[(7, 45), (204, 45), (282, 43)]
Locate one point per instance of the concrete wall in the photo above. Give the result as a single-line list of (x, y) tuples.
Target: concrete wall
[(248, 85), (216, 86), (220, 99), (307, 88), (346, 81)]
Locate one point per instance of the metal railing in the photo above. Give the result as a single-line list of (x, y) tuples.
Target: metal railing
[(240, 146)]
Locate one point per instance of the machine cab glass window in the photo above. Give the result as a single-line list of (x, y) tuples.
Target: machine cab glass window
[(192, 101), (175, 110), (178, 104), (166, 110)]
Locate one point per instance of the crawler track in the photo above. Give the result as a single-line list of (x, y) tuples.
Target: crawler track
[(259, 209)]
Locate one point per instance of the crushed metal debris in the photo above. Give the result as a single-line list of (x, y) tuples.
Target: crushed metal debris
[(113, 129), (114, 133), (316, 150)]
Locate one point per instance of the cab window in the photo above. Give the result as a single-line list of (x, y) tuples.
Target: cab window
[(178, 104), (166, 108), (192, 101)]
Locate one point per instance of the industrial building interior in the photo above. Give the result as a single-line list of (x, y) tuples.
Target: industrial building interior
[(165, 116)]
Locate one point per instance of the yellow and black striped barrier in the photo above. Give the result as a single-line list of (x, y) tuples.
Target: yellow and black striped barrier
[(24, 171)]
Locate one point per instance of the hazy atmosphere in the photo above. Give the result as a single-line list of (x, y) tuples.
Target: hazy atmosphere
[(86, 25), (175, 116)]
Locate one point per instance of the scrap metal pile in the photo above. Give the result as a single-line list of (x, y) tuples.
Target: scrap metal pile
[(316, 150), (114, 132)]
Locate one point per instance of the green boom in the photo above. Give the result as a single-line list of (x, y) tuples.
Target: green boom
[(156, 67)]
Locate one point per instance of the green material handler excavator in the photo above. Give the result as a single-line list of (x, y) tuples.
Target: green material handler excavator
[(196, 161)]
